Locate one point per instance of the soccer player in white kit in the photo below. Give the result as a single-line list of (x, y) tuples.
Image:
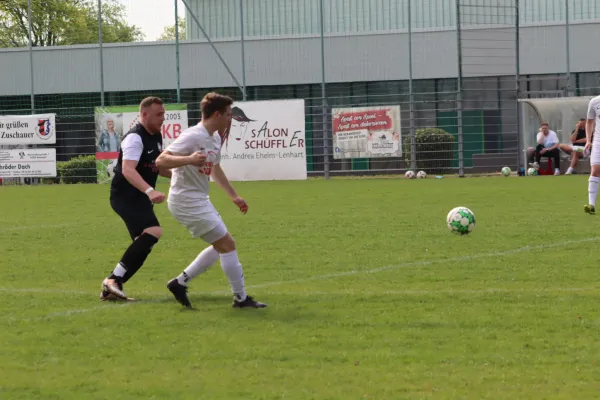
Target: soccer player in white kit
[(193, 157), (593, 116)]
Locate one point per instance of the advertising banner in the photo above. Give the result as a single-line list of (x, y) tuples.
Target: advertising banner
[(27, 129), (27, 163), (266, 141), (112, 123), (366, 132)]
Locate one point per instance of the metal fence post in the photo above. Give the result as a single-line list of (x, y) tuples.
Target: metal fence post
[(413, 138), (30, 57), (243, 50), (101, 55), (520, 150), (177, 52), (324, 96), (461, 162), (568, 48)]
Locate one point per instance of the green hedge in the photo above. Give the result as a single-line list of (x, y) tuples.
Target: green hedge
[(435, 150), (80, 169)]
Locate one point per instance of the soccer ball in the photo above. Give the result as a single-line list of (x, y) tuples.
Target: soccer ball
[(110, 168), (421, 175), (506, 171), (460, 220), (409, 175), (532, 171)]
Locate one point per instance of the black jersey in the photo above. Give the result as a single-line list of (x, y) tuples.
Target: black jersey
[(146, 167)]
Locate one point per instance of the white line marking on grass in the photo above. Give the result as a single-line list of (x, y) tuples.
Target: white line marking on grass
[(40, 290), (24, 227), (424, 263), (340, 274)]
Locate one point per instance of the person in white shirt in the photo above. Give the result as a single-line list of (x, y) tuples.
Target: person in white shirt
[(592, 130), (547, 146), (194, 157)]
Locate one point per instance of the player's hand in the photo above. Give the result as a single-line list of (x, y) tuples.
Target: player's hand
[(588, 146), (156, 197), (543, 151), (198, 159), (241, 203)]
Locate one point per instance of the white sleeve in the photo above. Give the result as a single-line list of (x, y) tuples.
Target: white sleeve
[(539, 136), (132, 147), (181, 145), (591, 114)]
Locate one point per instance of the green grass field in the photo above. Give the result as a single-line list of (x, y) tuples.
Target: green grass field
[(370, 296)]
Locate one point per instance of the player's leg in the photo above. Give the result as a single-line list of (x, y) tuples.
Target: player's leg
[(537, 156), (199, 221), (209, 226), (555, 155), (594, 179), (232, 267), (145, 231)]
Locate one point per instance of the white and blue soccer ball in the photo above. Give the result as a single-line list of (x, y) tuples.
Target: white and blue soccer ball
[(410, 174), (506, 171), (460, 220), (421, 175)]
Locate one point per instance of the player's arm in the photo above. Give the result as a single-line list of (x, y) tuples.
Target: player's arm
[(167, 173), (168, 160), (540, 138), (132, 150), (221, 179), (573, 138)]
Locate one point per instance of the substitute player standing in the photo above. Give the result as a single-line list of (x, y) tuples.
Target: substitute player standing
[(132, 194), (593, 116), (189, 200)]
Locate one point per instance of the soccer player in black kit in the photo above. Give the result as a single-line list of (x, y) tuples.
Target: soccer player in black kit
[(132, 194)]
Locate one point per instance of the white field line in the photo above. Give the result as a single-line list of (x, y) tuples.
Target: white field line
[(348, 273), (25, 227)]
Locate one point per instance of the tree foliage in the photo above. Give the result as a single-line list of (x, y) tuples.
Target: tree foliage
[(63, 22), (169, 32)]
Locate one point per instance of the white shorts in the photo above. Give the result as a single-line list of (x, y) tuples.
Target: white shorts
[(202, 220), (595, 154)]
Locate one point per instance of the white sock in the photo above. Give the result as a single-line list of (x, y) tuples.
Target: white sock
[(570, 169), (120, 271), (202, 263), (233, 269), (593, 189)]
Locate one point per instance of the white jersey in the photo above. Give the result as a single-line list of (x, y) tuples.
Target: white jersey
[(190, 183), (594, 113)]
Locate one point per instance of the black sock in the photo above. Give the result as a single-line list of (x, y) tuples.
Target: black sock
[(135, 256)]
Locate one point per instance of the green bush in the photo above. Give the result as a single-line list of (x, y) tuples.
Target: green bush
[(80, 169), (435, 150)]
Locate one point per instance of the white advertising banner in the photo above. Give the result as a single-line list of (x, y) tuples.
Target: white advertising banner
[(28, 129), (27, 163), (366, 132), (266, 141)]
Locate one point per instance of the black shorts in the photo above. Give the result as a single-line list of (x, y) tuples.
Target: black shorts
[(138, 214)]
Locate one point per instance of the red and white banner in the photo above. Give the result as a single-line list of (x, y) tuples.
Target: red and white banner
[(266, 141), (366, 132)]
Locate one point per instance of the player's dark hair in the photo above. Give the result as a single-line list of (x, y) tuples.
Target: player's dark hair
[(214, 102), (544, 124)]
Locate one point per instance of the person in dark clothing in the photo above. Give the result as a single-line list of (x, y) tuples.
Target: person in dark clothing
[(575, 149), (132, 194)]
